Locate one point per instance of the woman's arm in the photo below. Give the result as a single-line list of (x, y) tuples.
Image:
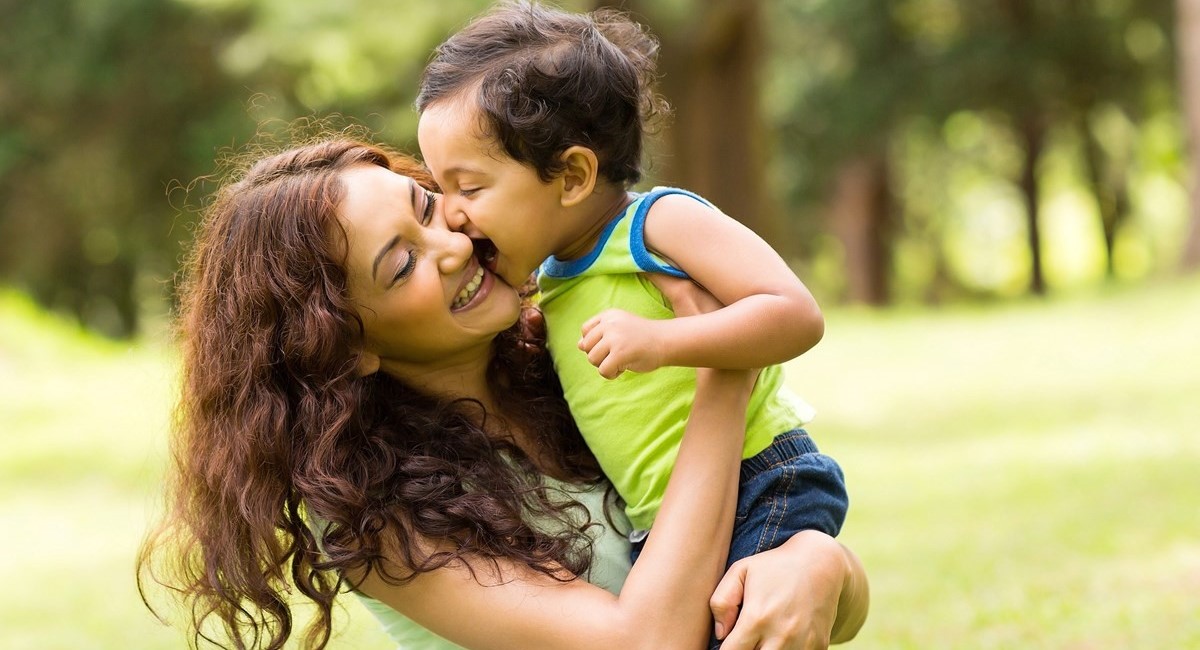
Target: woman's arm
[(769, 317), (664, 603), (803, 595)]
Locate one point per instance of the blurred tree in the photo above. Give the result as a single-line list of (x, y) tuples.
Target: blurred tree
[(1188, 35), (1076, 65), (1113, 58), (845, 76), (872, 68), (103, 104), (813, 105), (109, 108), (357, 58), (710, 60)]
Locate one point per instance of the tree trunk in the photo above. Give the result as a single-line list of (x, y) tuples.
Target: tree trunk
[(1111, 193), (1031, 131), (1188, 36), (1033, 137), (714, 143), (861, 219), (122, 279)]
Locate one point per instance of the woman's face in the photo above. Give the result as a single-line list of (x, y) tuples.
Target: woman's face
[(425, 301)]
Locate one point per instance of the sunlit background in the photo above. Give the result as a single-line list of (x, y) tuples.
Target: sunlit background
[(990, 198)]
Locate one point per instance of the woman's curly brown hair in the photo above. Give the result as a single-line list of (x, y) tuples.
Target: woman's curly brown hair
[(289, 470)]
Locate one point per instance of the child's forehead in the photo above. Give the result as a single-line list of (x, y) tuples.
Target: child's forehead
[(463, 121), (462, 114)]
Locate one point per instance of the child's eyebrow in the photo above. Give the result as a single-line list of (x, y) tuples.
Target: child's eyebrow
[(460, 169)]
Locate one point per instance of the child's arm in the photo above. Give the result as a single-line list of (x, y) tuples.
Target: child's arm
[(770, 316)]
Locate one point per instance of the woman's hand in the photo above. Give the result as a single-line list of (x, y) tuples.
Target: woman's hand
[(686, 297), (800, 596), (690, 299)]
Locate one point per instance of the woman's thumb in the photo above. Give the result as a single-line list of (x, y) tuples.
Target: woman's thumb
[(727, 599)]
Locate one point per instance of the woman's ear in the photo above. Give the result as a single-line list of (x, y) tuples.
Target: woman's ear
[(368, 363), (581, 170)]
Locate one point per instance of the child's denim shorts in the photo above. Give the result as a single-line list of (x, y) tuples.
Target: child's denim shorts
[(788, 487)]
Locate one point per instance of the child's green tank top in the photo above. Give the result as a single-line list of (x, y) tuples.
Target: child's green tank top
[(634, 424)]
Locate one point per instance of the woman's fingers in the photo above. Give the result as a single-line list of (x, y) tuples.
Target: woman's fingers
[(686, 297), (727, 599)]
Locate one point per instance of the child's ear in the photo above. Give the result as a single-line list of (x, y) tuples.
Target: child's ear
[(581, 170)]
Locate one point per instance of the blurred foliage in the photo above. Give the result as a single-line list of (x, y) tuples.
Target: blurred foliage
[(111, 109), (103, 104), (945, 90)]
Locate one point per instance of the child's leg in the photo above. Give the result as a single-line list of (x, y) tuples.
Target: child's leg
[(637, 541), (787, 488)]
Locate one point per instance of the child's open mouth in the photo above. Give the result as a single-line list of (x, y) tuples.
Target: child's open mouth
[(485, 252)]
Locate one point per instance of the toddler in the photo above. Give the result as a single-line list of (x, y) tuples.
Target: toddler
[(532, 123)]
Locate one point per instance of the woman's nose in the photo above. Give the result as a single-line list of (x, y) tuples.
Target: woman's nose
[(453, 246), (455, 250)]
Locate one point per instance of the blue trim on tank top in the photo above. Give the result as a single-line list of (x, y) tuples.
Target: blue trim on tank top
[(556, 268), (637, 238)]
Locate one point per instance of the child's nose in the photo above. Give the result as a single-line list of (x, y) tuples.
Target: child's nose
[(458, 221)]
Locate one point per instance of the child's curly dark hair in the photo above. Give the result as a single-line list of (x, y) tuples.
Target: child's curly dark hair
[(545, 80)]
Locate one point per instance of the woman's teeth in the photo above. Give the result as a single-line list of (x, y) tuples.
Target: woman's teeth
[(468, 292)]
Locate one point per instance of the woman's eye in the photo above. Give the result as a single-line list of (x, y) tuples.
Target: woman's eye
[(407, 269), (464, 192), (430, 202)]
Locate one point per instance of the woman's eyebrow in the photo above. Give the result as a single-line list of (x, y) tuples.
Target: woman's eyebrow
[(382, 252), (412, 198)]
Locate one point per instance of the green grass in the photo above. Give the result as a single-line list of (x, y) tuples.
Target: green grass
[(83, 426), (1022, 476)]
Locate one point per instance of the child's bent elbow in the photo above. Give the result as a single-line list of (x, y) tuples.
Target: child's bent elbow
[(811, 330), (818, 327)]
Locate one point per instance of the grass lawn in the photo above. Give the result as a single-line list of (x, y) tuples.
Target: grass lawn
[(1025, 476)]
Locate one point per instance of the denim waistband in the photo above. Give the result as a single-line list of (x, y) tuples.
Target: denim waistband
[(784, 448)]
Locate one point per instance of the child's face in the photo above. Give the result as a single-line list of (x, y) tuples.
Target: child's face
[(488, 194)]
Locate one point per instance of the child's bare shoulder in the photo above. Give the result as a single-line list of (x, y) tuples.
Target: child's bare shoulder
[(678, 210), (676, 202)]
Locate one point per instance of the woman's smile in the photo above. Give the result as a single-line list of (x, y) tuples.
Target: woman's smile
[(475, 288)]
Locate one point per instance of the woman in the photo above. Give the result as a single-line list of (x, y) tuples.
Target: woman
[(360, 410)]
